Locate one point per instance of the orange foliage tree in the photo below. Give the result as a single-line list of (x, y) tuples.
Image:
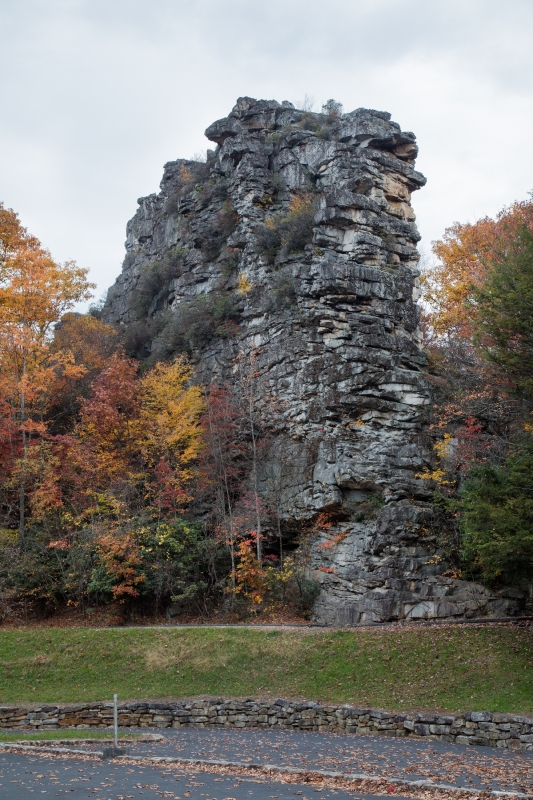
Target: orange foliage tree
[(90, 344), (464, 255), (103, 451), (35, 291), (121, 557), (250, 577)]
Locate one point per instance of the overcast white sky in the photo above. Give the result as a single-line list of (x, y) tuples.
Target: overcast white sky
[(96, 95)]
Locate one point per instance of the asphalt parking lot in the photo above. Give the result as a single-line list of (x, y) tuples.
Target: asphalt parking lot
[(458, 764), (24, 776), (480, 768)]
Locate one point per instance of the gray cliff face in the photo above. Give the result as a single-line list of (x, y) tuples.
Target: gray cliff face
[(331, 327)]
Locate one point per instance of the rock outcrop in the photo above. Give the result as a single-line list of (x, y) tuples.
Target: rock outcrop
[(295, 247)]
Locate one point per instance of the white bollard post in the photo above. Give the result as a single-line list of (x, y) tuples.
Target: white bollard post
[(115, 719)]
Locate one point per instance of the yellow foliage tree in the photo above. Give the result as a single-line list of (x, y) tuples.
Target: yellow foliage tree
[(169, 419)]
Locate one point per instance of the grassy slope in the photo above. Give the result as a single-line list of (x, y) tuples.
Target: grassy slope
[(433, 668)]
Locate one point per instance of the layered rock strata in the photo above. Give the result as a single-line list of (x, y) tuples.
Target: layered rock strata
[(326, 320)]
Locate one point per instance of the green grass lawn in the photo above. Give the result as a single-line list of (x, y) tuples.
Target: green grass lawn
[(51, 736), (453, 668)]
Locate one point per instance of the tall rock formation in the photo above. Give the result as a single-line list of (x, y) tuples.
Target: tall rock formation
[(292, 251)]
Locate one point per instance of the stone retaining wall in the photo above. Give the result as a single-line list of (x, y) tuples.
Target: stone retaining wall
[(473, 727)]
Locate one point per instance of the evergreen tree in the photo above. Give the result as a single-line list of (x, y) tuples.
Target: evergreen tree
[(505, 313), (497, 517)]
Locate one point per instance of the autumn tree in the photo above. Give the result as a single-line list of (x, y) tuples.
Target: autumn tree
[(460, 345), (137, 437), (288, 232), (90, 344), (250, 577), (332, 108), (35, 292), (463, 257), (103, 457), (169, 432)]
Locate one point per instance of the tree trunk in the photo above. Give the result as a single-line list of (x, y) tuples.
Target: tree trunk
[(256, 487), (22, 493)]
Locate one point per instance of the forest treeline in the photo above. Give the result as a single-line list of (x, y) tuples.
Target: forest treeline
[(127, 484)]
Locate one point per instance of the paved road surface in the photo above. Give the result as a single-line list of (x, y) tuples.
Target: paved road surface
[(26, 776), (460, 765)]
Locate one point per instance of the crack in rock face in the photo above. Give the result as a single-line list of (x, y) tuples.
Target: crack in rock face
[(293, 251)]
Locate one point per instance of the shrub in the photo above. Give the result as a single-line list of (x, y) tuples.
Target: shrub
[(135, 338), (43, 570), (137, 335), (214, 189), (194, 172), (291, 584), (244, 284), (190, 175), (290, 232), (213, 237), (310, 122), (173, 202), (323, 126), (297, 226), (278, 183), (150, 561), (154, 279), (229, 262), (365, 509), (268, 238), (333, 109), (283, 293), (194, 325)]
